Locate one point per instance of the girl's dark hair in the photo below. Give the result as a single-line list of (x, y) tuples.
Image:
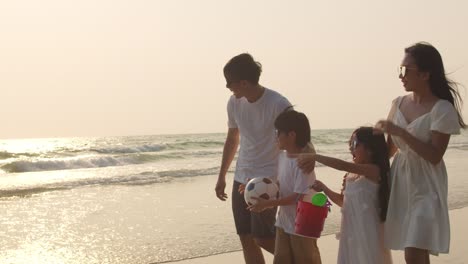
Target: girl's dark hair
[(376, 144), (291, 120), (428, 59), (243, 67)]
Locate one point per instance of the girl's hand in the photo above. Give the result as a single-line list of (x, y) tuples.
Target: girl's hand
[(319, 186), (306, 162), (259, 206), (385, 126)]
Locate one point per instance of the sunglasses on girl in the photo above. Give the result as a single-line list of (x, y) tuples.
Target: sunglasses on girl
[(278, 132), (353, 144), (402, 70)]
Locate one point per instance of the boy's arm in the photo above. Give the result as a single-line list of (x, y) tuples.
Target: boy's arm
[(263, 204)]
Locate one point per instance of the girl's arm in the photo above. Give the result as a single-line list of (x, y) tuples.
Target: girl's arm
[(392, 148), (263, 204), (337, 198), (370, 171)]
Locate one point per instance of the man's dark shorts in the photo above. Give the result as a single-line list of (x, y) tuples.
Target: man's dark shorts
[(259, 225)]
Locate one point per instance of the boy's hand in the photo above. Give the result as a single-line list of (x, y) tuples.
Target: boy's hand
[(241, 188), (306, 162), (259, 206), (319, 186)]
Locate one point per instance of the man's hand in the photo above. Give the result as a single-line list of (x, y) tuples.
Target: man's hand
[(306, 162), (220, 188)]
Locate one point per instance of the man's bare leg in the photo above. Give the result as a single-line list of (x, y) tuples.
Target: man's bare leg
[(252, 251)]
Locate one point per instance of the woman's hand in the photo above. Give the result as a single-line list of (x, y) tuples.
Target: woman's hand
[(261, 205), (306, 162), (385, 126)]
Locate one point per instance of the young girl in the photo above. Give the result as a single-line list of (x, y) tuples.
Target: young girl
[(364, 197)]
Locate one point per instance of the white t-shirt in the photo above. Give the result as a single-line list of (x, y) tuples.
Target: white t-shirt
[(258, 152), (291, 180)]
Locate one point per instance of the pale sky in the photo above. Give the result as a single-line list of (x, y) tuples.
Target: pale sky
[(130, 67)]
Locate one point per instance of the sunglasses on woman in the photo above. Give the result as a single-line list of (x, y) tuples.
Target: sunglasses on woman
[(402, 70)]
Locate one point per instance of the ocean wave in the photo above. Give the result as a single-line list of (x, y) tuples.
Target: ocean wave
[(189, 173), (195, 144), (134, 149), (143, 178), (80, 163), (459, 146), (6, 155)]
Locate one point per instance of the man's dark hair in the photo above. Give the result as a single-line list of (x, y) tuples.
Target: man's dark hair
[(243, 67)]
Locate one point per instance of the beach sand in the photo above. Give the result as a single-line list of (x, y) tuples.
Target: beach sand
[(329, 247), (159, 223)]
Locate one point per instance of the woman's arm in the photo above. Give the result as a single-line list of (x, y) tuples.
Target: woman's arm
[(432, 151), (392, 148)]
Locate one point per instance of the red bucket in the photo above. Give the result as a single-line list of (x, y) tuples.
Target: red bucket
[(310, 219)]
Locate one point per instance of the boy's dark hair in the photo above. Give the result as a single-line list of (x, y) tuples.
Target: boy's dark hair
[(377, 145), (243, 67), (291, 120)]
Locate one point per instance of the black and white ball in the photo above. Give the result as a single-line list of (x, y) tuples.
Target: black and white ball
[(261, 188)]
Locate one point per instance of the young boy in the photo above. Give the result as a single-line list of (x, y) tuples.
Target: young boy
[(293, 135)]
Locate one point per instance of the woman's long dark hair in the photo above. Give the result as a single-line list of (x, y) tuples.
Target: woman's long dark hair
[(428, 59), (376, 144)]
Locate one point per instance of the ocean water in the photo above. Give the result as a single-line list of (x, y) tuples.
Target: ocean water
[(140, 199)]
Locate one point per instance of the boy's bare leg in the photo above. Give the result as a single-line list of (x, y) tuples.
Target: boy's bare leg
[(267, 244), (252, 251)]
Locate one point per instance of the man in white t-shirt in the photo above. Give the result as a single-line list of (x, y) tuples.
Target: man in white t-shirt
[(252, 110)]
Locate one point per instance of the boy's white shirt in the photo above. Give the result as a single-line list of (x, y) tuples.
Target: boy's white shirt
[(291, 180)]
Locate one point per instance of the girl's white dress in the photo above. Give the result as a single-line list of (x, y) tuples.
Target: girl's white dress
[(418, 213), (361, 235)]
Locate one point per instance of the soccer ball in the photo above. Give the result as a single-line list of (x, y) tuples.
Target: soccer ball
[(260, 187)]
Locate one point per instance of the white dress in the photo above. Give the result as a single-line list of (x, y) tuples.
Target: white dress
[(417, 215), (361, 235)]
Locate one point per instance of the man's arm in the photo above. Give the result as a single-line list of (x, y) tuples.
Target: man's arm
[(307, 165), (229, 151)]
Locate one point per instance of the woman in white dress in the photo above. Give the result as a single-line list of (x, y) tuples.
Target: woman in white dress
[(363, 200), (419, 128)]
